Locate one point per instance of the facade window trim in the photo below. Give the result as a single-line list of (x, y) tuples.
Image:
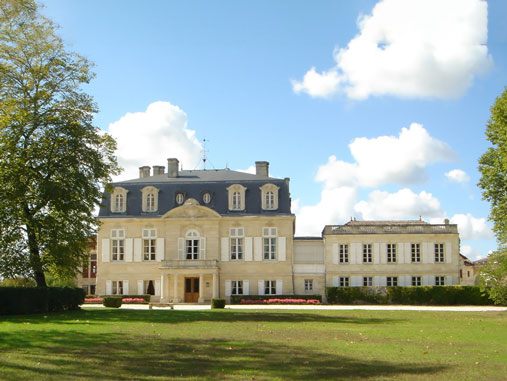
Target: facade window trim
[(236, 197), (119, 200), (149, 199), (269, 196)]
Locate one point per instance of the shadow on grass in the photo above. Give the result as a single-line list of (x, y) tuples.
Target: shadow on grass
[(71, 355), (99, 316)]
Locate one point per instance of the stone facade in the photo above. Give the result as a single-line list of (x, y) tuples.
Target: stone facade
[(190, 236)]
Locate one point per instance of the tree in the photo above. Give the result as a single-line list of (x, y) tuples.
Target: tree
[(53, 162), (493, 167)]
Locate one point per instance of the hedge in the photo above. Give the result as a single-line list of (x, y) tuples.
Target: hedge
[(26, 300), (418, 295), (236, 299), (217, 303), (146, 297), (114, 301)]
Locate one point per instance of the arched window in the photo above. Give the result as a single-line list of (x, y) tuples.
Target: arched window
[(270, 200), (119, 200), (118, 203), (236, 201), (192, 245), (269, 196), (150, 202), (236, 197)]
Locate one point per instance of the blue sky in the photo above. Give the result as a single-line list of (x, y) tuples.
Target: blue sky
[(374, 109)]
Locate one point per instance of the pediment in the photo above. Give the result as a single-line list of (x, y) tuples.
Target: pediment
[(191, 210)]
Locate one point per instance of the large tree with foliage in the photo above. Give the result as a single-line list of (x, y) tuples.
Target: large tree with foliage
[(53, 161), (493, 167)]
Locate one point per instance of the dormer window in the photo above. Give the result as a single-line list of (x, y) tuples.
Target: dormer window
[(206, 197), (150, 199), (269, 196), (119, 200), (180, 198), (236, 197)]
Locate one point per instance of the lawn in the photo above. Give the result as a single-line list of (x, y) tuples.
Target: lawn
[(111, 344)]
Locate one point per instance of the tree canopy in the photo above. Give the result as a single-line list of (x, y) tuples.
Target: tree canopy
[(54, 162), (493, 167)]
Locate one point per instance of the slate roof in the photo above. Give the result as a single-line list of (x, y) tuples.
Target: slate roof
[(193, 184)]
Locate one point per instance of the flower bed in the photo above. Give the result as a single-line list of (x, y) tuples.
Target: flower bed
[(93, 300), (280, 301), (133, 300)]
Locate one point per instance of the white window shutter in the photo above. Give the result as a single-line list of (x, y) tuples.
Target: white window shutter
[(181, 248), (376, 281), (408, 280), (258, 249), (138, 250), (335, 253), (248, 249), (279, 287), (448, 252), (109, 287), (431, 252), (376, 253), (335, 281), (125, 287), (202, 248), (426, 280), (159, 249), (225, 249), (105, 250), (400, 254), (282, 243), (246, 287), (448, 280), (129, 249), (356, 281), (383, 253), (260, 285), (157, 287), (401, 281), (228, 288), (140, 287), (408, 252)]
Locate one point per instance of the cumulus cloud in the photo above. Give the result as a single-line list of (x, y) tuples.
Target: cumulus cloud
[(387, 159), (471, 253), (404, 204), (152, 136), (251, 169), (470, 227), (457, 176), (409, 48)]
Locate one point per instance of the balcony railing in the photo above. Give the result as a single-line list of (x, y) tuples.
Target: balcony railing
[(190, 264)]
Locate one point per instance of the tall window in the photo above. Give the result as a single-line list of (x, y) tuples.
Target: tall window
[(270, 200), (269, 239), (117, 244), (392, 281), (192, 245), (117, 287), (236, 201), (149, 244), (367, 257), (439, 252), (391, 253), (118, 203), (236, 244), (308, 284), (416, 281), (416, 252), (344, 281), (344, 253), (237, 287), (367, 281), (270, 287), (439, 280), (150, 202)]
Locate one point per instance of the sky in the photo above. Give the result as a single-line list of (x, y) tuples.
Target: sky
[(376, 110)]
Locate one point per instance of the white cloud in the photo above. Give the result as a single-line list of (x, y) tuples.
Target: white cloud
[(401, 205), (387, 159), (457, 176), (470, 227), (409, 48), (471, 253), (251, 169), (153, 136), (335, 206), (318, 85)]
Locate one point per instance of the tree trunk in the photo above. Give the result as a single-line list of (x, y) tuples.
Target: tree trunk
[(33, 249)]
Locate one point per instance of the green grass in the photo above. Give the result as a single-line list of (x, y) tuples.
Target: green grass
[(111, 344)]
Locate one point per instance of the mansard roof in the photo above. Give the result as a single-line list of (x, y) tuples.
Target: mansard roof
[(193, 184)]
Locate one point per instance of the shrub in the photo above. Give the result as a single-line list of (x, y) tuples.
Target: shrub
[(93, 300), (279, 301), (24, 300), (112, 301), (217, 303), (133, 300), (236, 299)]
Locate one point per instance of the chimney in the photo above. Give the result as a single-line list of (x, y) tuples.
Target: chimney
[(158, 170), (172, 167), (262, 168), (144, 171)]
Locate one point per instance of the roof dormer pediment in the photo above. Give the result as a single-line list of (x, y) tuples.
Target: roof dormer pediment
[(191, 209)]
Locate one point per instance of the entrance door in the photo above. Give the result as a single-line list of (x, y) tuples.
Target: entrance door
[(191, 290)]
